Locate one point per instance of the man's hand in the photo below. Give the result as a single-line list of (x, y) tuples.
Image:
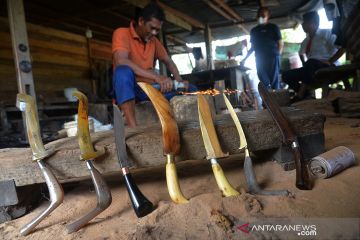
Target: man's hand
[(165, 83), (242, 63), (184, 85)]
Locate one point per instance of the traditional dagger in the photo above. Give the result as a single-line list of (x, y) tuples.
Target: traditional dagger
[(289, 138), (140, 203), (26, 103), (213, 148), (88, 154), (248, 166), (171, 139)]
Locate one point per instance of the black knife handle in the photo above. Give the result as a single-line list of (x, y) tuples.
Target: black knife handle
[(140, 203)]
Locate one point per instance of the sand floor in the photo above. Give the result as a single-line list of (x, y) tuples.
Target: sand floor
[(208, 215)]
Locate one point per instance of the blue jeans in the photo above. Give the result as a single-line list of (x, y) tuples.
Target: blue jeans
[(125, 87), (268, 68)]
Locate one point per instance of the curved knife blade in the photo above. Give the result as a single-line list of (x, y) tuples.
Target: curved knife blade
[(243, 142), (211, 141), (119, 131)]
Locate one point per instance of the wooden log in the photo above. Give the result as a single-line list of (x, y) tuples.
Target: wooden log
[(349, 107), (145, 146), (323, 106)]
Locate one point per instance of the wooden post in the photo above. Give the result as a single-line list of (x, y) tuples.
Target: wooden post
[(209, 58), (92, 67), (20, 45), (208, 46), (162, 38)]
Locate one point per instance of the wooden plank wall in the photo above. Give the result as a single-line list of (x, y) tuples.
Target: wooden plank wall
[(60, 60)]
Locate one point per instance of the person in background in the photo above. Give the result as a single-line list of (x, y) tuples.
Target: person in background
[(266, 41), (317, 51), (135, 50)]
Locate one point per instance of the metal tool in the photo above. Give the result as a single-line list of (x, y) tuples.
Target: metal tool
[(26, 103), (290, 138), (171, 139), (248, 167), (213, 148), (142, 206), (88, 154)]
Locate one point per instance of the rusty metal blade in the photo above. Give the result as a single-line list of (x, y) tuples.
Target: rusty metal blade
[(119, 131)]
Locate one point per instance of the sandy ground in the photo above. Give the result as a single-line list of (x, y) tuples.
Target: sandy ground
[(208, 215)]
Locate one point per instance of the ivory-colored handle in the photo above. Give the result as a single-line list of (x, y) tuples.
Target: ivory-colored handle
[(226, 189), (173, 184)]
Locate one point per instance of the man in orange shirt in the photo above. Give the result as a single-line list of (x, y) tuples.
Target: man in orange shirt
[(135, 50)]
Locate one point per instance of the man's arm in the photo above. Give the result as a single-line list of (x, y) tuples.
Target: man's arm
[(280, 44), (247, 56), (174, 70), (337, 55), (302, 58), (122, 58)]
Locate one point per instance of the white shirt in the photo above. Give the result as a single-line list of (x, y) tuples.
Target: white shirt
[(322, 45)]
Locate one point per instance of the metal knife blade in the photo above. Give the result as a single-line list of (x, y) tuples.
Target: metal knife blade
[(211, 141), (119, 131), (243, 142)]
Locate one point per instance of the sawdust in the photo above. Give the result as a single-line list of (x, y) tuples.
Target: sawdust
[(208, 215)]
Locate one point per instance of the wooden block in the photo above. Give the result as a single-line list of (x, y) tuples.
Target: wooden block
[(145, 146), (185, 108)]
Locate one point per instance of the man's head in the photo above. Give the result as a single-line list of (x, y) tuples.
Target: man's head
[(149, 21), (310, 22), (263, 15)]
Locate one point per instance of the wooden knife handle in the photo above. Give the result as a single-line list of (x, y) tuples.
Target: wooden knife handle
[(171, 139)]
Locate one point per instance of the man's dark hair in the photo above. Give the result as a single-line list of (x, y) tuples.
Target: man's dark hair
[(312, 17), (263, 9), (152, 10)]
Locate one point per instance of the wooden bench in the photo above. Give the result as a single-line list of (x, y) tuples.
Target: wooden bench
[(145, 146)]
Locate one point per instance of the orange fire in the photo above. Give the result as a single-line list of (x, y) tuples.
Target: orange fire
[(211, 92)]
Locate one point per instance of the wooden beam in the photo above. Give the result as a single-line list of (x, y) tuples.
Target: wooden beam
[(224, 14), (227, 8), (144, 146), (93, 24), (208, 46), (219, 10), (22, 59), (168, 15), (112, 12), (236, 16), (176, 40), (169, 10)]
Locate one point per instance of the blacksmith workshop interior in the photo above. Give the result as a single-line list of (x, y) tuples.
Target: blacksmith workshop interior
[(179, 119)]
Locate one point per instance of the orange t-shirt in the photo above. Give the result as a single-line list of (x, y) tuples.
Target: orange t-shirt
[(142, 54)]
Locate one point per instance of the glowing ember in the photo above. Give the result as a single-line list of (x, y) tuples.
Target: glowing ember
[(212, 92)]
